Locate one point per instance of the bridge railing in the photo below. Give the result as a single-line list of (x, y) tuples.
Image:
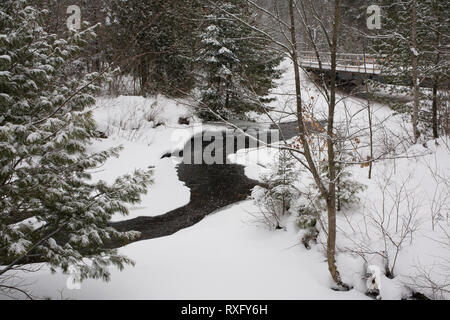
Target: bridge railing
[(349, 62)]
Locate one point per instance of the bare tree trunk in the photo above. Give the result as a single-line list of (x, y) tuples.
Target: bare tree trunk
[(227, 90), (434, 107), (144, 75), (330, 193), (369, 112), (331, 200), (435, 110), (301, 125), (415, 63), (327, 188), (369, 115)]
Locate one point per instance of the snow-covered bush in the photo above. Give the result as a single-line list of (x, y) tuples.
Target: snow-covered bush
[(307, 221), (135, 117)]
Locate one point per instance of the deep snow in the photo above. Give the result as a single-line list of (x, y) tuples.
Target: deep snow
[(227, 255)]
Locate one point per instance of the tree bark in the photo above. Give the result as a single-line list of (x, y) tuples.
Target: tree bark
[(331, 200), (415, 63), (435, 111), (330, 193), (143, 73), (434, 107), (369, 116), (301, 125)]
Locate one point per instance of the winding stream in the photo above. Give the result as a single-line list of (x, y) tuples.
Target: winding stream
[(212, 187)]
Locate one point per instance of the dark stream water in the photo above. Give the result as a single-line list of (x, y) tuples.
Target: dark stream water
[(212, 187)]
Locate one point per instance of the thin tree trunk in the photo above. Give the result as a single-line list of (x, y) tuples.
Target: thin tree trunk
[(415, 63), (435, 110), (298, 99), (330, 193), (369, 112), (338, 194), (144, 76), (434, 107), (369, 115), (227, 92), (331, 200)]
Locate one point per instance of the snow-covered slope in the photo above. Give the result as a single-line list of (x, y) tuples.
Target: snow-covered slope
[(406, 203), (145, 128), (227, 255)]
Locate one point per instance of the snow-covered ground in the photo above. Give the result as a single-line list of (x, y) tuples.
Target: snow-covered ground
[(404, 196), (227, 255), (146, 133), (402, 199), (146, 128), (395, 210)]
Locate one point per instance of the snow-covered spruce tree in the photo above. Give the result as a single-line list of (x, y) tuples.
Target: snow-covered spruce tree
[(49, 209), (275, 199), (347, 188), (236, 66)]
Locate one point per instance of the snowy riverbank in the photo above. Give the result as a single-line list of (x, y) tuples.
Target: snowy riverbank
[(228, 255)]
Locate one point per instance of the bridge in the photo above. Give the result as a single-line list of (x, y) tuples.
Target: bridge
[(351, 67)]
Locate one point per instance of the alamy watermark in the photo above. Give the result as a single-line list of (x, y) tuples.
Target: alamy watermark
[(374, 17), (74, 20)]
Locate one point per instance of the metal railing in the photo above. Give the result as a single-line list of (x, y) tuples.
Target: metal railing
[(347, 62)]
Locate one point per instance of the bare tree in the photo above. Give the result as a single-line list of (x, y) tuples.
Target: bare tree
[(322, 144), (415, 76), (326, 185)]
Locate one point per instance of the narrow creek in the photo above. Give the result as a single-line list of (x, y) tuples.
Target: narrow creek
[(212, 187)]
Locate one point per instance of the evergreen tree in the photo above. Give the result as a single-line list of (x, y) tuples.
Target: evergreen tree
[(436, 54), (347, 188), (237, 68), (45, 128), (279, 190), (92, 12), (156, 41), (414, 40)]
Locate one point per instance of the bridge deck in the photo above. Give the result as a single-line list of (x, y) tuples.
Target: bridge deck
[(346, 62), (351, 66), (369, 68)]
